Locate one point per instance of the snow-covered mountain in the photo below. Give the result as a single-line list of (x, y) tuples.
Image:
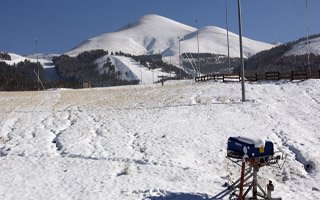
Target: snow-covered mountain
[(156, 34)]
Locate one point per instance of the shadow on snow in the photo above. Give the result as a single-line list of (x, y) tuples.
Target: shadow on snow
[(180, 196)]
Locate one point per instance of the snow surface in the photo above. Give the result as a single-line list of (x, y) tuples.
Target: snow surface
[(153, 34), (154, 142), (303, 47)]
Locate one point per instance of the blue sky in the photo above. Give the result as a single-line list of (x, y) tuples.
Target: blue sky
[(60, 25)]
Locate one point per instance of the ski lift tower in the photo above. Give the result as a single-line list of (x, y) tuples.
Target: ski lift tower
[(253, 153)]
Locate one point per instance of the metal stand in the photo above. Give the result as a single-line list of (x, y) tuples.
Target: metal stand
[(234, 190)]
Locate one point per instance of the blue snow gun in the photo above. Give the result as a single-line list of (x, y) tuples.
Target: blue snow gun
[(255, 148)]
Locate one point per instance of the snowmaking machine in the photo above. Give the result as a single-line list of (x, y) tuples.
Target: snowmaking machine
[(255, 153)]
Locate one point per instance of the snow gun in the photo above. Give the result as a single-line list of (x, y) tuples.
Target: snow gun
[(256, 153)]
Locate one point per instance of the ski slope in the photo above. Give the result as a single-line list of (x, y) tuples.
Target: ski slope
[(153, 34), (132, 70), (154, 142)]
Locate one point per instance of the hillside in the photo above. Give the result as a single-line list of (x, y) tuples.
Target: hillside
[(302, 47), (291, 56), (154, 142), (131, 70), (154, 34), (44, 59)]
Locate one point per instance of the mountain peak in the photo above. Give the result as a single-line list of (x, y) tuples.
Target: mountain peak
[(154, 33)]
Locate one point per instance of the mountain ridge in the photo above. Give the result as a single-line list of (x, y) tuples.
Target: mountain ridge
[(152, 34)]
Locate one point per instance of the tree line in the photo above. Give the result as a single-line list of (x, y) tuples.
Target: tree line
[(276, 59), (83, 68), (4, 56), (21, 76)]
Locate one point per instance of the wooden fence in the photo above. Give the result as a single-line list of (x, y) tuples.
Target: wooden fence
[(293, 75), (223, 77)]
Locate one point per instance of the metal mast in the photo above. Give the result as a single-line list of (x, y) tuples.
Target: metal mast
[(227, 25), (198, 48), (241, 52), (179, 56), (38, 63), (307, 33)]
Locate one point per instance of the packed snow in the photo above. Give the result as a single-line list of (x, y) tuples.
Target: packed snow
[(154, 34), (155, 142)]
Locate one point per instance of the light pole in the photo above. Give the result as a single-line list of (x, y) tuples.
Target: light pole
[(36, 40), (241, 52), (307, 45), (179, 38), (198, 47), (227, 25), (140, 71)]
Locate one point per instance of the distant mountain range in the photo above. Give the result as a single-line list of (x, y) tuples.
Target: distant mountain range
[(153, 34)]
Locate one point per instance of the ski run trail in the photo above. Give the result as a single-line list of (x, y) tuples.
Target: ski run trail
[(155, 142)]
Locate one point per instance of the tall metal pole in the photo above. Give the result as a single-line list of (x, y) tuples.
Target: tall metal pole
[(307, 33), (37, 63), (241, 52), (140, 71), (227, 25), (179, 56), (198, 47)]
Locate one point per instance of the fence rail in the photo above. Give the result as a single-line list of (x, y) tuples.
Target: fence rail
[(293, 75)]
